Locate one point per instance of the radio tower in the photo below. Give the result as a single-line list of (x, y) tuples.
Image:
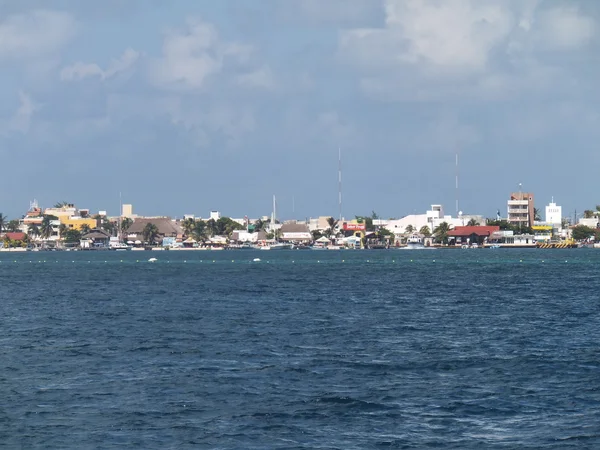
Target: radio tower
[(340, 182)]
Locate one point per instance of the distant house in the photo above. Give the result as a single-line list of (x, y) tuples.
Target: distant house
[(95, 238), (295, 232), (15, 236), (166, 228), (472, 235), (13, 239)]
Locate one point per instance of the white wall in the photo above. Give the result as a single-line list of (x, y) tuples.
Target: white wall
[(554, 214)]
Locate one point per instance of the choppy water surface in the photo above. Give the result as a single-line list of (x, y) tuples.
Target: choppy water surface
[(356, 349)]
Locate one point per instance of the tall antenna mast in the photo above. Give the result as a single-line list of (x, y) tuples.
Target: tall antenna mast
[(456, 176), (340, 182)]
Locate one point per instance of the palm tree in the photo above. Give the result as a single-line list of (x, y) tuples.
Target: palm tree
[(150, 233), (588, 214), (425, 231), (188, 226), (199, 231), (126, 223), (259, 225), (3, 220), (211, 227), (332, 224), (85, 229), (441, 232), (46, 229), (62, 229), (107, 225), (472, 223), (13, 226), (33, 230), (61, 204), (409, 229)]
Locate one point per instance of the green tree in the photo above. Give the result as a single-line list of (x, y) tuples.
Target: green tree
[(581, 232), (472, 223), (85, 229), (588, 214), (226, 226), (199, 231), (211, 227), (46, 228), (409, 229), (61, 204), (374, 215), (13, 225), (441, 232), (331, 225), (33, 231), (3, 222), (425, 231), (107, 225), (150, 233), (536, 215), (188, 226), (71, 235), (259, 225), (125, 224), (62, 229), (316, 234)]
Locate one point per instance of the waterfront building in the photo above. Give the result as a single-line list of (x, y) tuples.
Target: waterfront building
[(553, 214), (520, 209)]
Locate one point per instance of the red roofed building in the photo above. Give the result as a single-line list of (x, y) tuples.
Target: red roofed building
[(15, 236), (472, 235)]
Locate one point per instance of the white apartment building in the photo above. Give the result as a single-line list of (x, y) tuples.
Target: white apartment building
[(553, 214)]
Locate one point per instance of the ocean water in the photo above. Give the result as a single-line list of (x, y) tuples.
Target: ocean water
[(464, 349)]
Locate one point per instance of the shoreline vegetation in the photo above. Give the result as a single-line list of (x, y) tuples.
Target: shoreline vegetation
[(52, 231)]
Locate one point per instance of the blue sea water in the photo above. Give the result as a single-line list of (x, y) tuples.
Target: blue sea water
[(461, 349)]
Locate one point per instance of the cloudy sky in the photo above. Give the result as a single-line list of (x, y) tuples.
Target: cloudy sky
[(191, 105)]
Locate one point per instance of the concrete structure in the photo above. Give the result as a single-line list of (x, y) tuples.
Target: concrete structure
[(520, 209), (431, 219), (77, 222), (215, 215), (553, 214), (127, 211)]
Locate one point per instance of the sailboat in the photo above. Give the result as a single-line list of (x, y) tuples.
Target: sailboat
[(276, 245)]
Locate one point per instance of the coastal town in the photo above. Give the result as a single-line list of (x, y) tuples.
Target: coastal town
[(65, 227)]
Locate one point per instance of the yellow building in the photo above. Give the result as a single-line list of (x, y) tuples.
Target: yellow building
[(77, 222)]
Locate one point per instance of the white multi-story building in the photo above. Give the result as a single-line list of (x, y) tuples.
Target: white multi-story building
[(431, 219), (554, 214)]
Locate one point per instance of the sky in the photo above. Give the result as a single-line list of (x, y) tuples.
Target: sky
[(188, 106)]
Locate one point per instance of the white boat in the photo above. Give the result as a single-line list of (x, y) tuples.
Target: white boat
[(415, 242), (277, 246)]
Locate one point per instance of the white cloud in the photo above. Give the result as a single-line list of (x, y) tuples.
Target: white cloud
[(330, 11), (21, 120), (35, 34), (564, 28), (481, 48), (191, 56), (79, 70), (260, 78)]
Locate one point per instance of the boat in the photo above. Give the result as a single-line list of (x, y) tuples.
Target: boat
[(276, 245), (414, 242)]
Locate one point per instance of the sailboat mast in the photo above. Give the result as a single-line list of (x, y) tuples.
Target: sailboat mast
[(120, 219)]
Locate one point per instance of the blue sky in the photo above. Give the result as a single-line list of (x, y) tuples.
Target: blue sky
[(193, 105)]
